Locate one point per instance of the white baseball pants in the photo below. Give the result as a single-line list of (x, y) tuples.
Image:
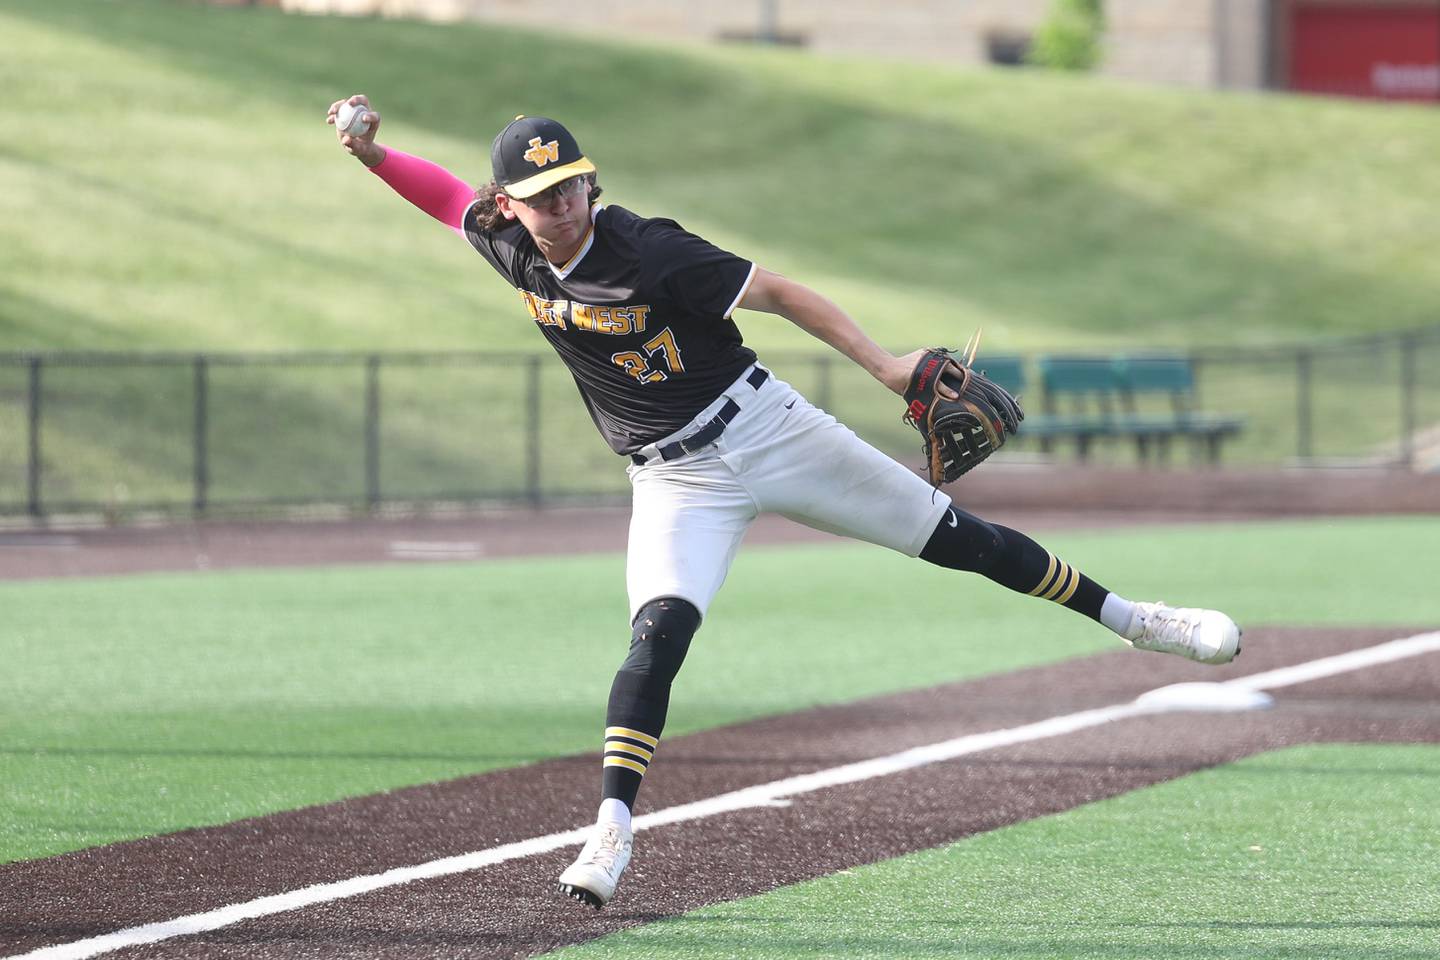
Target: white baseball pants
[(779, 454)]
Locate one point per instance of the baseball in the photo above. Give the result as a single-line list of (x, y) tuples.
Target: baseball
[(347, 119)]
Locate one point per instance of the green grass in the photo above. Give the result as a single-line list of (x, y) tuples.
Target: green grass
[(1317, 851), (139, 705), (170, 184)]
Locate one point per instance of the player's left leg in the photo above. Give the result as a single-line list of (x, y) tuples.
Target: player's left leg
[(828, 478), (961, 541)]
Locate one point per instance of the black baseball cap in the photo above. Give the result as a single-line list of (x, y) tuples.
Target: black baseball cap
[(533, 153)]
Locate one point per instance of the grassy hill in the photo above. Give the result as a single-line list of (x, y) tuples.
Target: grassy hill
[(169, 184)]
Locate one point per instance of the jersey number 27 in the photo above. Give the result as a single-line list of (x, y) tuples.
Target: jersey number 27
[(647, 367)]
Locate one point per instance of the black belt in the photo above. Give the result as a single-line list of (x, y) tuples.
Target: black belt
[(707, 434)]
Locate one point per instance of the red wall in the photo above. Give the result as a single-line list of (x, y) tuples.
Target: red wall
[(1391, 52)]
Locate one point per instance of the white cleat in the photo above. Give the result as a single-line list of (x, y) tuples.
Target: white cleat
[(1206, 636), (593, 876)]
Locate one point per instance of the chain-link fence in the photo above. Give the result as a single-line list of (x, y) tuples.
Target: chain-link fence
[(118, 434)]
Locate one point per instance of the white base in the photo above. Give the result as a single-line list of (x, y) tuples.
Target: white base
[(1217, 697)]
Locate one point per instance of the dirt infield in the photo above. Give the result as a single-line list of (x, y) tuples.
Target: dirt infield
[(508, 910), (479, 536), (1028, 498)]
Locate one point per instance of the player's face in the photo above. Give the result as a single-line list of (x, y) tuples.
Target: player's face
[(558, 217), (557, 193)]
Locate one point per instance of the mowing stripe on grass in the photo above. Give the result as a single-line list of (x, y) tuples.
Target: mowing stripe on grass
[(763, 795)]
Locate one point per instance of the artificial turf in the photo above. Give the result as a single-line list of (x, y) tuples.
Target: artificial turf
[(138, 705), (1316, 851)]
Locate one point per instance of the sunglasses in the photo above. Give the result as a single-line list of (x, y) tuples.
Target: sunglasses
[(563, 190)]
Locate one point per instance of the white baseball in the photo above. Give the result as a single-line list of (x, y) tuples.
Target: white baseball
[(347, 119)]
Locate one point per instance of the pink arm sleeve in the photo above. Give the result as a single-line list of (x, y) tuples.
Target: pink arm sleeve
[(429, 186)]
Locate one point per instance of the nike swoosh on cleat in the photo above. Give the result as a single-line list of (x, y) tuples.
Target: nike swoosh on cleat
[(954, 520)]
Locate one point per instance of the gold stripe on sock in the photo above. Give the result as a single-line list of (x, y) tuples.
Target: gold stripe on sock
[(1045, 580), (644, 738), (1060, 581), (1074, 585), (629, 748), (626, 763)]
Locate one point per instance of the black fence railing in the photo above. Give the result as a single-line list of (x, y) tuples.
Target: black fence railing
[(118, 434)]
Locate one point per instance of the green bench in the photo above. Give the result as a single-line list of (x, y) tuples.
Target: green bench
[(1150, 400)]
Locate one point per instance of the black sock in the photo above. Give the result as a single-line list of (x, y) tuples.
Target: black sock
[(1011, 559), (640, 694)]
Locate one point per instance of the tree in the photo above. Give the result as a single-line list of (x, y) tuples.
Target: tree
[(1069, 37)]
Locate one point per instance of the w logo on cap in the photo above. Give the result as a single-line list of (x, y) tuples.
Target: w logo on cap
[(542, 153)]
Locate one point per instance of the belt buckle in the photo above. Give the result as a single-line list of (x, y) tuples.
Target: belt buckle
[(684, 442)]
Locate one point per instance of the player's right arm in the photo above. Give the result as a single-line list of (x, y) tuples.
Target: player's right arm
[(427, 185)]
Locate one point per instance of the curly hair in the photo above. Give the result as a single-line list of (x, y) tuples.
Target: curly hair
[(488, 216)]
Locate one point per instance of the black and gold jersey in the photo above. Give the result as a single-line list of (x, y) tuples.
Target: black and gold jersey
[(640, 315)]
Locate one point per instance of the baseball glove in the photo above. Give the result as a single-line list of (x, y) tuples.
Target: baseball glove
[(959, 434)]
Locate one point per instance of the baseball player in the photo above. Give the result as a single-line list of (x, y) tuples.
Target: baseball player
[(642, 313)]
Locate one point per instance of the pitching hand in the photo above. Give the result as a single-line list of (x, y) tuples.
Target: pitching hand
[(361, 146)]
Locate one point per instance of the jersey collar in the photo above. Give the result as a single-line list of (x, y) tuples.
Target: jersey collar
[(568, 267)]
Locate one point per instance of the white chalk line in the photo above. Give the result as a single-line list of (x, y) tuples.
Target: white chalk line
[(763, 795), (1340, 663), (436, 550)]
